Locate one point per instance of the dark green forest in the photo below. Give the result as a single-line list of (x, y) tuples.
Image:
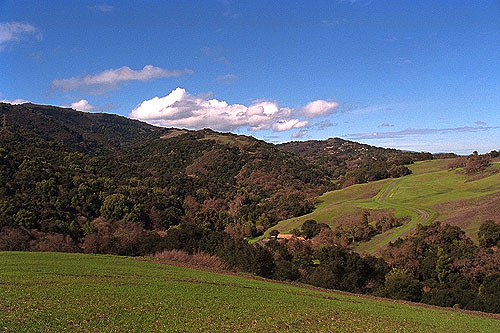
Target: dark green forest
[(101, 183)]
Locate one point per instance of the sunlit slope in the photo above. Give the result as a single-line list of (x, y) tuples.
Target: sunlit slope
[(431, 193), (74, 292), (335, 205)]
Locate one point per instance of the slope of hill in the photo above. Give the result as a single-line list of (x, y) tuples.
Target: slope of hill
[(58, 167), (56, 292), (431, 193)]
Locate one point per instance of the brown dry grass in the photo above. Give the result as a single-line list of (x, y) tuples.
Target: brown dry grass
[(199, 259), (468, 214)]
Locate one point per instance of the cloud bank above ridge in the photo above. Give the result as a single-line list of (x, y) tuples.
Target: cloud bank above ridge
[(181, 109)]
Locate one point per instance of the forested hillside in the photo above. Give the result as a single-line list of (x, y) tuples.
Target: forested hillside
[(353, 162), (60, 169)]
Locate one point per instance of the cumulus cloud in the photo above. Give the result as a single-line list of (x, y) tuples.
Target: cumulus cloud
[(299, 134), (180, 109), (226, 79), (319, 108), (417, 131), (81, 105), (15, 31), (14, 101), (111, 78)]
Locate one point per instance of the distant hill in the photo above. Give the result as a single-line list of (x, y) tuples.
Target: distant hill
[(61, 168), (353, 162)]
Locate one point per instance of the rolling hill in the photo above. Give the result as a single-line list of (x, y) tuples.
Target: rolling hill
[(75, 292), (431, 192)]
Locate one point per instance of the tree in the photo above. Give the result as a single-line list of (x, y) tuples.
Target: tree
[(114, 207), (489, 234), (399, 284), (274, 233)]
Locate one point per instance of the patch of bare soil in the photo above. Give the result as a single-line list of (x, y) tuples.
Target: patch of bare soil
[(173, 133)]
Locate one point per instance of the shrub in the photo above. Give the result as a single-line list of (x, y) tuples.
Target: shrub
[(196, 259)]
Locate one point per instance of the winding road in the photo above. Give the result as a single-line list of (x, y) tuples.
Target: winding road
[(424, 215)]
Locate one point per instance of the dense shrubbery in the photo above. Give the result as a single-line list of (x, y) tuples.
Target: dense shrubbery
[(451, 270), (472, 164)]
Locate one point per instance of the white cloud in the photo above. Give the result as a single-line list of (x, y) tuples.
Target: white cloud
[(81, 105), (180, 109), (419, 132), (109, 79), (285, 125), (319, 108), (14, 31), (399, 61), (14, 101), (299, 134), (226, 79)]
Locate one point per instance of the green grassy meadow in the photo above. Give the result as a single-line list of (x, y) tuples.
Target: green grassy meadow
[(334, 205), (47, 292), (415, 196)]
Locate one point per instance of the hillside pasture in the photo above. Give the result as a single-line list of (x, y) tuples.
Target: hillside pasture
[(75, 292), (431, 193), (335, 205)]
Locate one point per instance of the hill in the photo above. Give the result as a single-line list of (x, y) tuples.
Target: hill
[(60, 169), (75, 292), (353, 162)]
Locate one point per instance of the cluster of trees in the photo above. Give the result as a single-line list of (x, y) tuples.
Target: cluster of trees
[(472, 164), (440, 265), (350, 231)]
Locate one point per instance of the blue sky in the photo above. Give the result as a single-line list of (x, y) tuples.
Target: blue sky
[(415, 75)]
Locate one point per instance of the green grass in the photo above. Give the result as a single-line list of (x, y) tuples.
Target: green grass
[(443, 186), (334, 205), (421, 167), (74, 292)]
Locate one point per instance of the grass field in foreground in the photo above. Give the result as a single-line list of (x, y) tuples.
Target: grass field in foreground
[(75, 292)]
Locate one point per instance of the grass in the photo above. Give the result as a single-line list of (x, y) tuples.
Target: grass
[(75, 292), (334, 205), (421, 167)]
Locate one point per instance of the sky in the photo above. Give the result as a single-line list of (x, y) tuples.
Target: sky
[(414, 75)]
